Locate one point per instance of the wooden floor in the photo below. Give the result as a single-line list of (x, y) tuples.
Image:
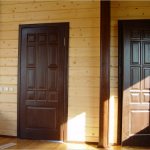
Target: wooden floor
[(41, 145)]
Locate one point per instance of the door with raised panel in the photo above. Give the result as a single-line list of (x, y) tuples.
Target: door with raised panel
[(43, 81), (136, 83)]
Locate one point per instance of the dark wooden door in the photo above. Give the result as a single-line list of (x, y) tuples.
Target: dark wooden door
[(43, 81), (136, 83)]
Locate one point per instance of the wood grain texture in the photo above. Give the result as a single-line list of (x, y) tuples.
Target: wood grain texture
[(84, 52), (47, 6), (8, 98), (122, 10), (104, 73), (36, 144)]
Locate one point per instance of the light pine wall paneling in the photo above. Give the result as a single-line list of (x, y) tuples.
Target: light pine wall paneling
[(46, 15), (79, 52), (74, 32), (7, 71), (83, 54), (46, 6), (84, 61), (8, 53), (8, 116), (8, 62), (121, 4), (8, 98), (8, 80), (8, 125), (8, 107), (84, 101), (9, 44), (84, 71), (84, 82), (8, 132), (74, 23)]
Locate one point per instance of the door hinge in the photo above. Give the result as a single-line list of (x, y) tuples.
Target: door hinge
[(64, 41)]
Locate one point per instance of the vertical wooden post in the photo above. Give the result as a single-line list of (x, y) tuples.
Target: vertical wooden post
[(104, 73)]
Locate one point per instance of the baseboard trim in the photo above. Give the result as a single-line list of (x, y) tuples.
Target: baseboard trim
[(8, 136)]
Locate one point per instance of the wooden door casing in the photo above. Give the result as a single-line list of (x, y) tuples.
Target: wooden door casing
[(42, 108), (135, 83)]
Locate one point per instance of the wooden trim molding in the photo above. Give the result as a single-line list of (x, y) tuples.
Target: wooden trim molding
[(8, 136), (104, 73), (120, 79)]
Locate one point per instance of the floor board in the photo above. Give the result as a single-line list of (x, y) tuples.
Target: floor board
[(41, 145)]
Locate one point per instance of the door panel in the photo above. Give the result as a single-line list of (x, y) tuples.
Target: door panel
[(43, 76), (136, 84)]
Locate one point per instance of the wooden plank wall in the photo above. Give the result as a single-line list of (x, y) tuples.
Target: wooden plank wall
[(84, 18), (121, 10)]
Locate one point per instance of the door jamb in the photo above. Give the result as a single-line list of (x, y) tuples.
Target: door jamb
[(63, 131), (120, 79)]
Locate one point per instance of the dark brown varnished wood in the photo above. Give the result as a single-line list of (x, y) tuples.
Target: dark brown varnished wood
[(43, 81), (135, 52), (120, 81), (104, 73)]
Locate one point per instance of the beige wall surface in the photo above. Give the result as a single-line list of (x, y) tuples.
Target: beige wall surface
[(121, 10), (84, 18)]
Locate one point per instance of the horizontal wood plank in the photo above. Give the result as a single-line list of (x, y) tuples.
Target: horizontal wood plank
[(84, 71), (89, 52), (84, 61), (10, 80), (89, 112), (84, 101), (113, 72), (74, 32), (45, 6), (9, 35), (80, 91), (85, 32), (8, 53), (8, 98), (8, 71), (8, 44), (74, 23), (114, 62), (8, 125), (49, 15), (8, 62), (8, 132), (84, 81), (114, 51), (130, 4), (8, 107), (130, 11), (8, 116), (113, 82), (84, 42)]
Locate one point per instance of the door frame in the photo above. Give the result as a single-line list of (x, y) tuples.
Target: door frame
[(120, 79), (63, 129), (120, 72)]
